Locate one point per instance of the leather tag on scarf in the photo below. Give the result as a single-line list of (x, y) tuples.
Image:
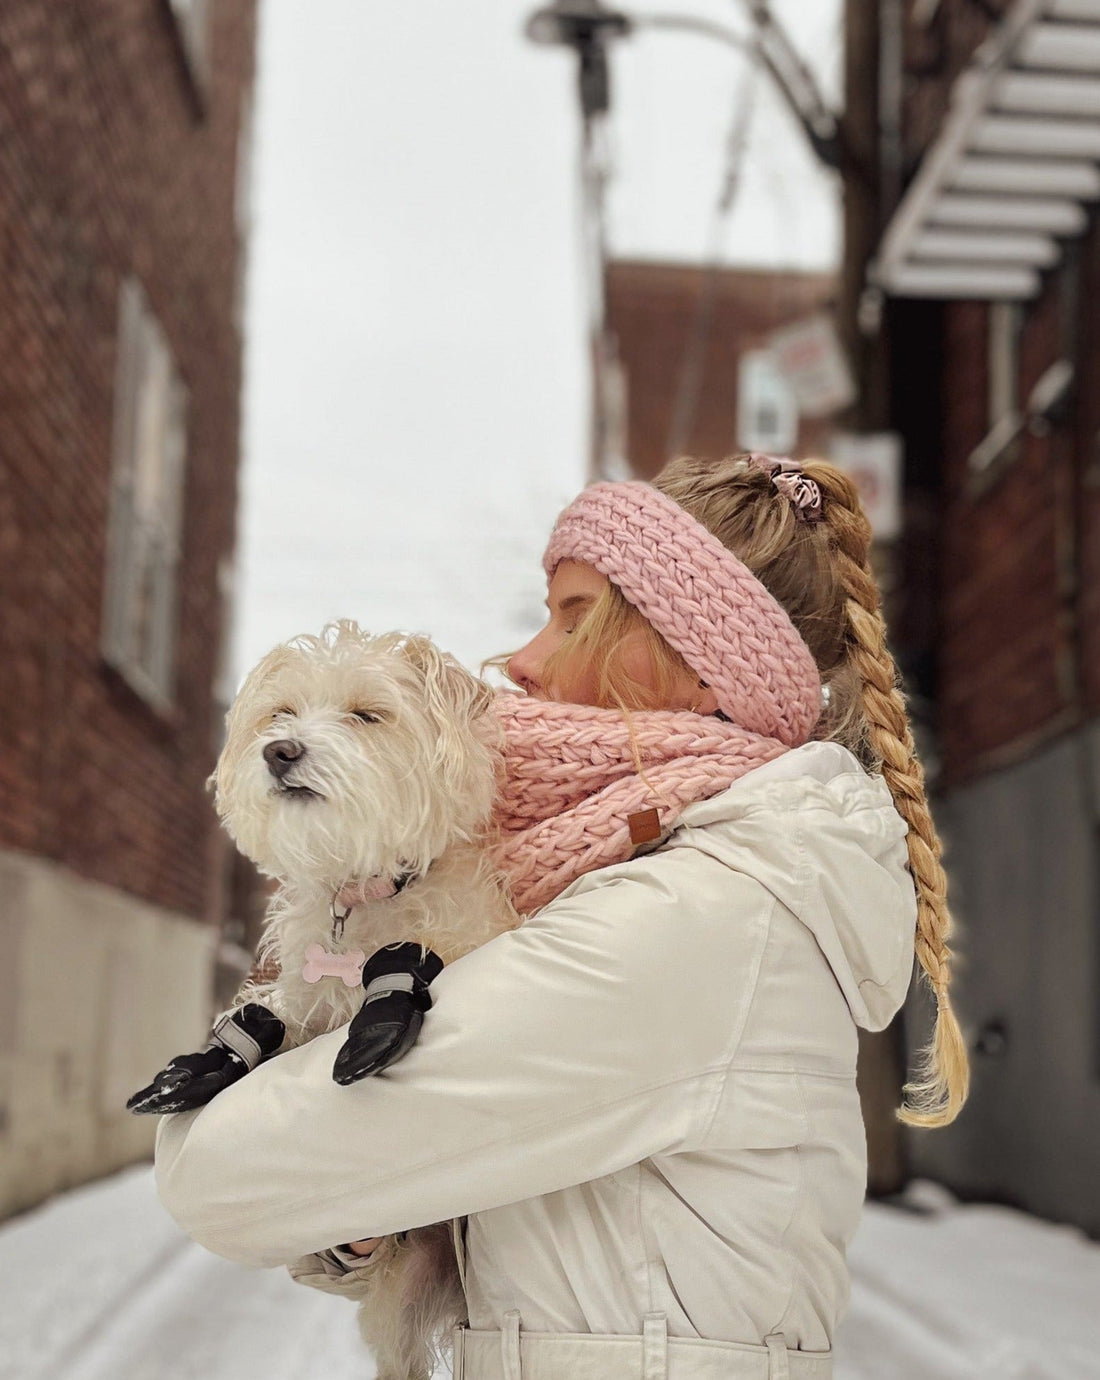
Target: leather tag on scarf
[(644, 826)]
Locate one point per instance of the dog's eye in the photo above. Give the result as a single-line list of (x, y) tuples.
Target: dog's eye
[(364, 716), (282, 713)]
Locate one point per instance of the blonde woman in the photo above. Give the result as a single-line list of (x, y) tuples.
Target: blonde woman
[(639, 1108)]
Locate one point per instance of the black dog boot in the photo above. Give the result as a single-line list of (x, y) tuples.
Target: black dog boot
[(238, 1042), (388, 1023)]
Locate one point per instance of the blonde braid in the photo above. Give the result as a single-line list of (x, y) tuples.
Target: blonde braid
[(944, 1071)]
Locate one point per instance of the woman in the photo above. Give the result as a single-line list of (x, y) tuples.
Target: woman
[(640, 1107)]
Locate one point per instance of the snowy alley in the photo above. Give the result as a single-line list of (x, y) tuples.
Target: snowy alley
[(325, 311), (99, 1284)]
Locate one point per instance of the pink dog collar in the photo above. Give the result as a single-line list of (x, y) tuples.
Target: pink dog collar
[(373, 889), (380, 888)]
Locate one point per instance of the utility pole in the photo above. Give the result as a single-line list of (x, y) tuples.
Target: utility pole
[(861, 325), (588, 28), (862, 217)]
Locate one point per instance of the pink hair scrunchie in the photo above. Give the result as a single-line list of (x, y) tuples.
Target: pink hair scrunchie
[(701, 598), (788, 478)]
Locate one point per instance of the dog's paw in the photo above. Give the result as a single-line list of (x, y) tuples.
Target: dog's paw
[(188, 1081), (375, 1045), (239, 1041), (388, 1023)]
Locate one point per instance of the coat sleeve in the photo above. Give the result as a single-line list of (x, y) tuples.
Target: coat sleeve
[(592, 1037)]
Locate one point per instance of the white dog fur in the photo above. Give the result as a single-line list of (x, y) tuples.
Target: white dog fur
[(399, 775)]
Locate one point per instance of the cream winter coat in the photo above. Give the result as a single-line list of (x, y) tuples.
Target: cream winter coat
[(643, 1100)]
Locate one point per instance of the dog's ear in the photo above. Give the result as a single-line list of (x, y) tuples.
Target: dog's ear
[(449, 688), (483, 700), (250, 689), (267, 666), (454, 698)]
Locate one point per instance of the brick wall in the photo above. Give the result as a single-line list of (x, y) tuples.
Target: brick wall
[(651, 307), (1007, 597), (111, 163), (998, 664), (1017, 579), (1020, 559)]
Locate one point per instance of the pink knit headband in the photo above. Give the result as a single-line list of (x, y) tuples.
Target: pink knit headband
[(705, 602)]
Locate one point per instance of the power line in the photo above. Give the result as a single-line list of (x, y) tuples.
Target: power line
[(795, 80), (693, 363)]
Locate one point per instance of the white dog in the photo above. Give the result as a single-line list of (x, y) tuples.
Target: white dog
[(360, 772)]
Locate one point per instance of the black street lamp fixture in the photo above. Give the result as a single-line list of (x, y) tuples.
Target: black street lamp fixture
[(586, 27)]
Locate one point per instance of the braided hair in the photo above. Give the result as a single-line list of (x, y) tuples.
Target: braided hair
[(820, 572)]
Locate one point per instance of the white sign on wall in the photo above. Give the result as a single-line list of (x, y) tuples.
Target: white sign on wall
[(767, 413), (810, 357), (874, 463)]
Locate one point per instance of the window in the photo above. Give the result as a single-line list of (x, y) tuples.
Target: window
[(767, 410), (192, 25), (143, 539), (1001, 444), (1005, 319)]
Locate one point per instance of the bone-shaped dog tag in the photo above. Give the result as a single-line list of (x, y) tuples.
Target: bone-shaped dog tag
[(321, 963)]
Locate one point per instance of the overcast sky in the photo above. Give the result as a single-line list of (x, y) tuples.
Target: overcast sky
[(415, 398)]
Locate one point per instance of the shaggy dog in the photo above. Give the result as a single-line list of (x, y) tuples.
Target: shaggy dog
[(360, 771)]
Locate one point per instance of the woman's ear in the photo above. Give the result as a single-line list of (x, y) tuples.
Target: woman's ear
[(706, 701)]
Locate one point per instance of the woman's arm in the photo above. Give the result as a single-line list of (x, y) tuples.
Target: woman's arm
[(593, 1036)]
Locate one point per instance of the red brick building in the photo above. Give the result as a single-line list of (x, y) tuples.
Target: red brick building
[(122, 164), (989, 262), (652, 310)]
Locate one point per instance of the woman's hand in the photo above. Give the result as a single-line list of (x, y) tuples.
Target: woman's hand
[(365, 1246)]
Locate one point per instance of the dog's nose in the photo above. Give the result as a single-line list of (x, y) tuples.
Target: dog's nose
[(281, 756)]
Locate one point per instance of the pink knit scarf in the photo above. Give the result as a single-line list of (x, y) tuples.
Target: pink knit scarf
[(571, 783)]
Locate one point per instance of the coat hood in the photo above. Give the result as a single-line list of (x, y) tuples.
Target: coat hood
[(825, 838)]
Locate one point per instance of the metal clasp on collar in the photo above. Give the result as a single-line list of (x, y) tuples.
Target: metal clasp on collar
[(339, 920)]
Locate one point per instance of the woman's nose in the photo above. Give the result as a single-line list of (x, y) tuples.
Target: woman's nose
[(522, 667)]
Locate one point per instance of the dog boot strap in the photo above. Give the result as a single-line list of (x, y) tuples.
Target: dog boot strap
[(251, 1032), (386, 983)]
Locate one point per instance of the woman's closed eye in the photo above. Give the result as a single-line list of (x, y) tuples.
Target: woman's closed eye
[(570, 610)]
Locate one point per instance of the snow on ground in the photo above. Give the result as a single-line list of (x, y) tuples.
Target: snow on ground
[(969, 1292), (99, 1284)]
